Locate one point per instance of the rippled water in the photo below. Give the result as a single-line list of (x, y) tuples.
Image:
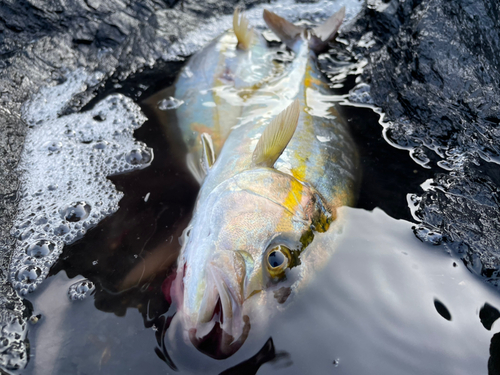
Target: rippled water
[(385, 303)]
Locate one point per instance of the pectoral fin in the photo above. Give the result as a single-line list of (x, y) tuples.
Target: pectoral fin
[(286, 31), (276, 136), (326, 32), (243, 32), (208, 153)]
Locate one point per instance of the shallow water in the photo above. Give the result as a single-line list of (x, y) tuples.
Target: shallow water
[(371, 310), (376, 307)]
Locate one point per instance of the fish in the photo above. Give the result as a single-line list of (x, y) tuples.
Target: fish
[(277, 161), (217, 82)]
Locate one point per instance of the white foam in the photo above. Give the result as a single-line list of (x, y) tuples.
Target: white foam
[(64, 166)]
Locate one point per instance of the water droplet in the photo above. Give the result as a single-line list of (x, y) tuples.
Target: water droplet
[(169, 103), (81, 290), (52, 187), (336, 362), (40, 249), (139, 156), (75, 211), (28, 275)]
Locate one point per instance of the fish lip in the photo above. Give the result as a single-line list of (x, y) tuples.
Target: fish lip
[(230, 316), (220, 319), (217, 343)]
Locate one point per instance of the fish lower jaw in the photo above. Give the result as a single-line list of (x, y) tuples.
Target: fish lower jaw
[(219, 340), (225, 313)]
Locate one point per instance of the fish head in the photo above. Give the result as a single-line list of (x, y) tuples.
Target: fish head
[(240, 248)]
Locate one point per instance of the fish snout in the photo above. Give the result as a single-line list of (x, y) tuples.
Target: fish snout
[(220, 319), (225, 278)]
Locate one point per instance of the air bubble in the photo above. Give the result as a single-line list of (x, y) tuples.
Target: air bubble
[(53, 181), (28, 275), (139, 156), (61, 230), (169, 103), (40, 249), (100, 117), (69, 133), (26, 234), (81, 290), (75, 211), (101, 145), (41, 220), (53, 146)]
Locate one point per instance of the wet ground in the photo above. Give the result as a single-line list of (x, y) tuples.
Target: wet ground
[(390, 301)]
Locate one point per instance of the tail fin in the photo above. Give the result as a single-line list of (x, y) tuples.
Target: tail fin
[(325, 33), (319, 37), (286, 31)]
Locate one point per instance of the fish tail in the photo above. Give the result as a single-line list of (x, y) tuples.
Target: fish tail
[(325, 33), (318, 38)]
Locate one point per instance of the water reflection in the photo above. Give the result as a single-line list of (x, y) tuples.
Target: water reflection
[(372, 309)]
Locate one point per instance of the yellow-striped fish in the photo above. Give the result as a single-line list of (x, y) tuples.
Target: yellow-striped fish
[(280, 164)]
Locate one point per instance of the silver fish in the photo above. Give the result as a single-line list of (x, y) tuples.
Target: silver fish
[(277, 166)]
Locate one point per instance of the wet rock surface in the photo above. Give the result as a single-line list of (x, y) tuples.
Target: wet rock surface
[(434, 70)]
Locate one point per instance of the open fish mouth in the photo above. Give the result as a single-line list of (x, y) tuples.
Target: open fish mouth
[(217, 343), (219, 329)]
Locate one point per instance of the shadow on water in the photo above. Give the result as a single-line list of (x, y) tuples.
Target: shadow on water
[(128, 255)]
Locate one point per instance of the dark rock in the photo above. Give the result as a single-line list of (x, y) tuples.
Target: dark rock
[(434, 70)]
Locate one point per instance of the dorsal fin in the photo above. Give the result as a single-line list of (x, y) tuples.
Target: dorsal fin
[(276, 136), (326, 32), (286, 31), (243, 32), (208, 153)]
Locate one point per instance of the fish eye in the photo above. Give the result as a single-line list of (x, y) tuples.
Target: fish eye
[(278, 260)]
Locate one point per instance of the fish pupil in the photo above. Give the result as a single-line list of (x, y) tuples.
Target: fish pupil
[(276, 259)]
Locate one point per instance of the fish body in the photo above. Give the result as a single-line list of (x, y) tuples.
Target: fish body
[(261, 204), (216, 83)]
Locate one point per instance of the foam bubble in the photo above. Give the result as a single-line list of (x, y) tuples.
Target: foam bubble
[(65, 162), (81, 290), (169, 103)]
